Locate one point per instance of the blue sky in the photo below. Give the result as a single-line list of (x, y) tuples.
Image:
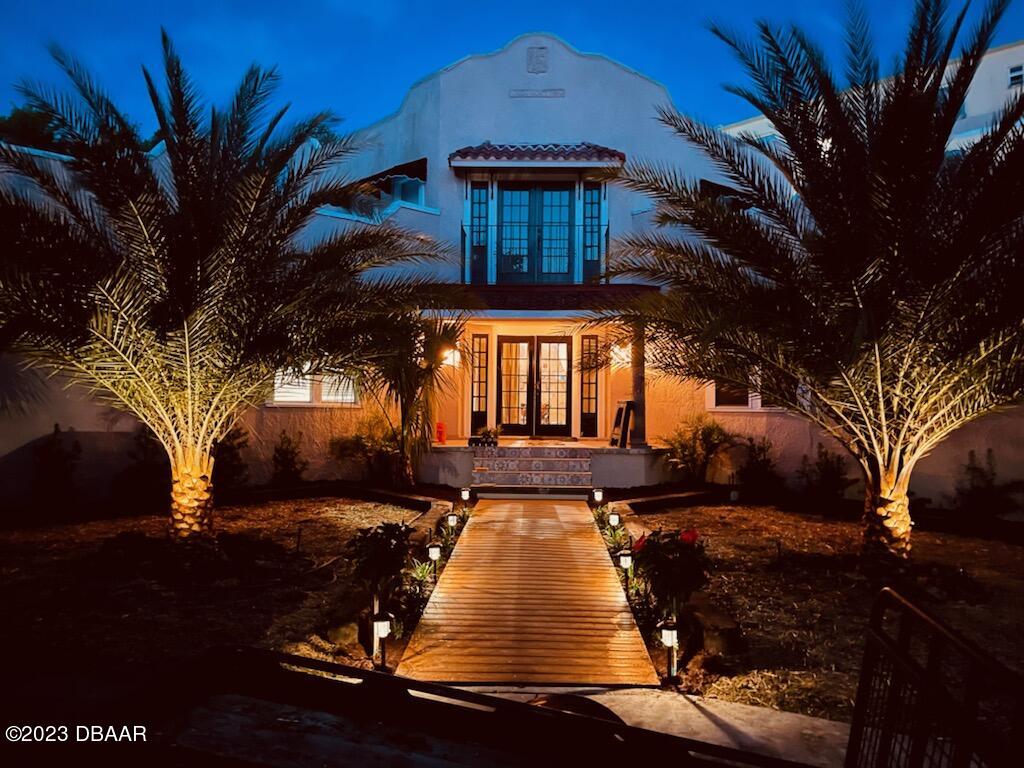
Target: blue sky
[(359, 58)]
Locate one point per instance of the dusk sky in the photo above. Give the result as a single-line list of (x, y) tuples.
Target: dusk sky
[(359, 58)]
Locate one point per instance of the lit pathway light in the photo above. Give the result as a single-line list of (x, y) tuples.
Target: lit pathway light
[(598, 495), (614, 519), (670, 639), (434, 553), (453, 519), (381, 629), (625, 558), (464, 493)]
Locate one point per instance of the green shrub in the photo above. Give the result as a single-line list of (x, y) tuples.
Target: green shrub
[(375, 442), (377, 556), (758, 478), (695, 444), (979, 492), (824, 480), (289, 466)]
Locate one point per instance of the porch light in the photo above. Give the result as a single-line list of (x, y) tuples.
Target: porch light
[(453, 519), (451, 357), (464, 494), (598, 495), (625, 559), (670, 639), (614, 519)]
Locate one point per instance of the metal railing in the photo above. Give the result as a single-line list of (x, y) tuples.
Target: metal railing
[(927, 697)]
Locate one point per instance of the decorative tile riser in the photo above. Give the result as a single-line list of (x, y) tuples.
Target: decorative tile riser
[(484, 464), (534, 479), (531, 452)]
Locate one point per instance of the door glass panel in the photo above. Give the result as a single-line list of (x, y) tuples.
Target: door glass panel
[(553, 371), (554, 243), (515, 382), (514, 245)]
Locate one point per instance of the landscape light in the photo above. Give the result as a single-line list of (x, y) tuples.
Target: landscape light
[(465, 494), (453, 519), (434, 553), (670, 639), (381, 629), (625, 559), (598, 495), (614, 519)]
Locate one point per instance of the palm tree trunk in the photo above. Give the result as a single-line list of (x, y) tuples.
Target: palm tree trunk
[(887, 523), (192, 495)]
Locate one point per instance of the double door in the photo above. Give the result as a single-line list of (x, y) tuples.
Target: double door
[(535, 385), (535, 241)]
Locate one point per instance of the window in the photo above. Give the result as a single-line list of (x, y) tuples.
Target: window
[(730, 394), (1016, 76), (591, 222), (289, 388), (478, 214), (588, 386), (338, 389), (478, 393)]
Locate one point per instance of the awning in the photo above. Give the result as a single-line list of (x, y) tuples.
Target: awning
[(580, 155)]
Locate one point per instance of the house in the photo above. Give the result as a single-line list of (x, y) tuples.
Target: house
[(503, 156)]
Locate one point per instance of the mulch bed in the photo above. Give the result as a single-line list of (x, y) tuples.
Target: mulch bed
[(82, 599), (794, 583)]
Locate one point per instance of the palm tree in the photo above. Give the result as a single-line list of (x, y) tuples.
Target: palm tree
[(175, 286), (855, 270), (410, 380)]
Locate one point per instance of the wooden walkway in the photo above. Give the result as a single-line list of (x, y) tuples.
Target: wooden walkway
[(530, 595)]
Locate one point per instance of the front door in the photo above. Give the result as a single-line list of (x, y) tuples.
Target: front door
[(535, 385)]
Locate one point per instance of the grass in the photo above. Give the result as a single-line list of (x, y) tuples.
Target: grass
[(792, 581)]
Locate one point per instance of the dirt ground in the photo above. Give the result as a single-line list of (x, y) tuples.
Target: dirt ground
[(79, 598), (793, 583)]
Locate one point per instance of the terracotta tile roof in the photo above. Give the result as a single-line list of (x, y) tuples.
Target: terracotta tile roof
[(583, 151)]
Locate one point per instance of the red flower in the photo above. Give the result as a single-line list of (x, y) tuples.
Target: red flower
[(689, 536), (640, 543)]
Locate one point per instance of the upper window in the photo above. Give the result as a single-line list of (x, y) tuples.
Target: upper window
[(478, 214), (1016, 76), (591, 222), (730, 394)]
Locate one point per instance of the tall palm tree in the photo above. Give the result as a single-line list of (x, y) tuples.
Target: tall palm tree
[(410, 380), (855, 269), (175, 286)]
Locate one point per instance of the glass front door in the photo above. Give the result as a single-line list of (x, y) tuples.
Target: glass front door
[(535, 385), (535, 233)]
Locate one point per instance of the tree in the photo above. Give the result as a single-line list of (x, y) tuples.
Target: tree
[(174, 287), (409, 380), (854, 270)]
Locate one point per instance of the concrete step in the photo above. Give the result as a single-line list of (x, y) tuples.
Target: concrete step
[(530, 464), (540, 478), (532, 452)]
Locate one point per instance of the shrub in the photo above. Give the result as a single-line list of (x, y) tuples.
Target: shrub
[(824, 481), (375, 442), (289, 466), (695, 444), (758, 479), (377, 556), (229, 469), (674, 565), (978, 490)]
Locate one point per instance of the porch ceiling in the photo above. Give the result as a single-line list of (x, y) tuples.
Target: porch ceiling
[(550, 297)]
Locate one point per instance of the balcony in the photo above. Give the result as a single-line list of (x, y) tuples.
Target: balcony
[(534, 254)]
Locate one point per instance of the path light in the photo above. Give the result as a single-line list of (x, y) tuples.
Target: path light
[(453, 519), (614, 519), (598, 495), (464, 493), (434, 553), (381, 629), (625, 558), (670, 639)]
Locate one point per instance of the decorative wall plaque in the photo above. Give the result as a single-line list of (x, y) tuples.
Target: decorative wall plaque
[(536, 59)]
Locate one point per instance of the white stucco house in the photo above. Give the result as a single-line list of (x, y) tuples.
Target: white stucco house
[(500, 155)]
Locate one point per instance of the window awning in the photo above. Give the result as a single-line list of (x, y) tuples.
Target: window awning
[(580, 155)]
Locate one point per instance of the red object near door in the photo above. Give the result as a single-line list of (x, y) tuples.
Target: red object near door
[(442, 433)]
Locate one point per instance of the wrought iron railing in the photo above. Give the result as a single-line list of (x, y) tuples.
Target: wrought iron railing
[(534, 253), (927, 697)]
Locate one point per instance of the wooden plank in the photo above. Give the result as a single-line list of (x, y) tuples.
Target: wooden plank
[(529, 595)]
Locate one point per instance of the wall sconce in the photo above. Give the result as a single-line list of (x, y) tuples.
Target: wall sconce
[(621, 356), (452, 357)]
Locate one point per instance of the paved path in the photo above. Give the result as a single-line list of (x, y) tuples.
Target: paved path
[(529, 596)]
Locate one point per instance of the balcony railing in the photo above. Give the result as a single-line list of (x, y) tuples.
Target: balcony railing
[(534, 253)]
